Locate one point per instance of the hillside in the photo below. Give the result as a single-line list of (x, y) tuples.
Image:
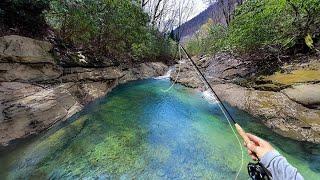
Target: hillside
[(214, 11)]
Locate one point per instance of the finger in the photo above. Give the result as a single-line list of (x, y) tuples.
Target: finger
[(254, 138), (254, 148), (242, 133), (252, 154), (251, 147), (253, 157)]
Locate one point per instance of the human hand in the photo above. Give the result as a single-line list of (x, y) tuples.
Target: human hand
[(257, 147)]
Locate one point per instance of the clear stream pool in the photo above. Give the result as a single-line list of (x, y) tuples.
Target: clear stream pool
[(138, 131)]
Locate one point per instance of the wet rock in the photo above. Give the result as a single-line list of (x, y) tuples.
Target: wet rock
[(87, 92)]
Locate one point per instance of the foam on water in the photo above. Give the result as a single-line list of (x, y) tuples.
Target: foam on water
[(167, 75), (208, 95)]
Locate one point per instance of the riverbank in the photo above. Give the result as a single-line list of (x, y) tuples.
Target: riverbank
[(36, 92), (141, 131), (290, 109)]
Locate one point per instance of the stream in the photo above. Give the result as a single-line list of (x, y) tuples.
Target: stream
[(140, 131)]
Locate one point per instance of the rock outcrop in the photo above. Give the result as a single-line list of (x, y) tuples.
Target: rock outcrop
[(289, 112), (305, 94), (36, 93), (25, 50)]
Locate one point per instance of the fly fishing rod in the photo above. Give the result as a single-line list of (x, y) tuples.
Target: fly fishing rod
[(256, 170)]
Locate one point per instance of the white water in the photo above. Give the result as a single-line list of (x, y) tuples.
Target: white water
[(167, 75), (208, 95)]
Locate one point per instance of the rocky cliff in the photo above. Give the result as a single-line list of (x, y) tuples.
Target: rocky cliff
[(285, 102), (36, 93)]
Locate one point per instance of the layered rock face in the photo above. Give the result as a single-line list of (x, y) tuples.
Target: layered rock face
[(292, 111), (36, 93)]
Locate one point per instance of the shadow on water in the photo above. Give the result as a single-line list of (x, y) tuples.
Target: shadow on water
[(139, 131)]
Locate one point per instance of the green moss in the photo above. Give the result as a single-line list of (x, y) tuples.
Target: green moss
[(160, 153), (296, 76), (268, 87)]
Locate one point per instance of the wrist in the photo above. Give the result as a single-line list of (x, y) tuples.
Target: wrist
[(268, 157)]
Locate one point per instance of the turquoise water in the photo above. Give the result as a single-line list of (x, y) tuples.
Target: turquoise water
[(140, 132)]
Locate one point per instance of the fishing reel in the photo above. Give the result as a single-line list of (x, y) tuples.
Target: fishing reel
[(258, 172)]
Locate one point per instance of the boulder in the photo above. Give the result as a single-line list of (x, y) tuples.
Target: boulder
[(275, 110), (24, 50), (29, 109), (305, 94), (186, 75), (26, 60), (143, 71), (228, 67)]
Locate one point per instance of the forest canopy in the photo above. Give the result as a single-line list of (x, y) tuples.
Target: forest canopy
[(117, 28), (277, 26)]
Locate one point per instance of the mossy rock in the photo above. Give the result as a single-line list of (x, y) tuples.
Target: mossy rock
[(296, 76), (270, 87)]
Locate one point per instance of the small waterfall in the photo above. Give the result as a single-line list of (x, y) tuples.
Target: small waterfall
[(167, 75), (208, 95)]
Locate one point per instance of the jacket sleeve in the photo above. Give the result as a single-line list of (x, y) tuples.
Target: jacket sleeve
[(279, 167)]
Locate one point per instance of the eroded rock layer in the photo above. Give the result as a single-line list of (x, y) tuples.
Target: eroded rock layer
[(36, 93)]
